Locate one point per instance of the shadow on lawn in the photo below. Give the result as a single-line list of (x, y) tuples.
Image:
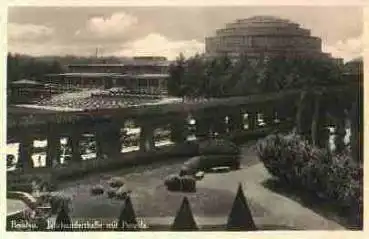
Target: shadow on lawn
[(320, 206)]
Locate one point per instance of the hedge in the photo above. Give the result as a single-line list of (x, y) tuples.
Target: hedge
[(336, 178)]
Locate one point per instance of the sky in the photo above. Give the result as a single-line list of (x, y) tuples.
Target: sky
[(165, 31)]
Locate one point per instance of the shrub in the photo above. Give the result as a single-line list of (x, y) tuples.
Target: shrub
[(97, 190), (188, 184), (199, 175), (337, 178), (218, 146), (116, 182), (177, 183), (122, 192), (58, 202), (191, 166), (111, 193), (172, 182)]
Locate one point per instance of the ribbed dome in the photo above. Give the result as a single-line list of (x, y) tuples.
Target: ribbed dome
[(266, 35)]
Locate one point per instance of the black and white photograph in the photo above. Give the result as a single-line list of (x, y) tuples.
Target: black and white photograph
[(184, 118)]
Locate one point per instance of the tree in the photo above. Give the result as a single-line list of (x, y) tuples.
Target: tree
[(176, 73)]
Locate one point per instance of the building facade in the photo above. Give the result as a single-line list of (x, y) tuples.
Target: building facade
[(140, 74), (270, 36)]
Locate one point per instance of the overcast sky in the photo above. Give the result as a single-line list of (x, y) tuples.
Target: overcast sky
[(165, 31)]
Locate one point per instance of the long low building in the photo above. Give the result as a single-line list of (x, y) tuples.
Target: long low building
[(143, 74), (149, 83)]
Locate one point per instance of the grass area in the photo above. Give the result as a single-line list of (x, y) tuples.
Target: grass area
[(325, 208)]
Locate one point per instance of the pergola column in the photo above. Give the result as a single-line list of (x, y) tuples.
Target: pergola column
[(113, 139), (340, 133), (319, 131), (304, 115), (252, 119), (202, 126), (235, 120), (53, 147), (356, 138), (100, 142), (74, 140), (179, 130), (218, 123), (147, 142), (25, 152), (268, 115)]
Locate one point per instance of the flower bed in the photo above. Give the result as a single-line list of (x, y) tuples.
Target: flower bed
[(334, 178)]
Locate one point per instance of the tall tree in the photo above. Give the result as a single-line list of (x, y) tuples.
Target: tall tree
[(176, 74)]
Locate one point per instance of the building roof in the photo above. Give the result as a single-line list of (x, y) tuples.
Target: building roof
[(88, 74), (148, 76), (25, 82), (112, 75), (133, 63)]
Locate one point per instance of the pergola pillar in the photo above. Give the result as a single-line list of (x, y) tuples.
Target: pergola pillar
[(235, 120), (218, 123), (74, 141), (53, 147), (179, 130), (25, 152), (147, 142), (319, 130), (304, 115), (340, 133), (252, 119), (202, 126), (268, 115)]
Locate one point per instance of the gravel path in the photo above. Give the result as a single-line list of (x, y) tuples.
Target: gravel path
[(211, 203), (149, 195)]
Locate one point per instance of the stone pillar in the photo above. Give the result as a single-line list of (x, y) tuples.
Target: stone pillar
[(218, 124), (112, 137), (319, 130), (108, 140), (235, 122), (53, 148), (316, 124), (268, 115), (74, 141), (202, 127), (340, 133), (356, 118), (179, 130), (304, 115), (25, 152), (100, 142), (252, 119), (147, 142)]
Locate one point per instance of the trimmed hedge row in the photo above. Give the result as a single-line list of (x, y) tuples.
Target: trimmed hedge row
[(334, 178)]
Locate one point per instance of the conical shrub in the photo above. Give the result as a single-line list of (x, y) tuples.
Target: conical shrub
[(127, 218), (240, 217), (63, 221), (184, 220)]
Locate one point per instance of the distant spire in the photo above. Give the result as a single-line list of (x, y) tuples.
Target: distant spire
[(184, 220), (240, 217)]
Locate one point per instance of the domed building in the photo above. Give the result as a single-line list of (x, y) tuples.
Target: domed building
[(264, 35)]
